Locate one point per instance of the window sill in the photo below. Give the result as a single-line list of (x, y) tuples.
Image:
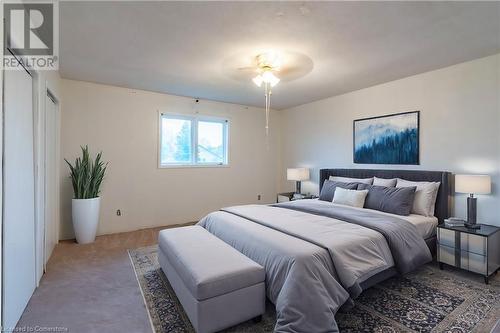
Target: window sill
[(190, 166)]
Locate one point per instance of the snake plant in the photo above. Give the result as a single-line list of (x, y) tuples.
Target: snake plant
[(87, 175)]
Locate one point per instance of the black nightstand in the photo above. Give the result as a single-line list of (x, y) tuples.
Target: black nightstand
[(288, 196), (473, 250), (284, 196)]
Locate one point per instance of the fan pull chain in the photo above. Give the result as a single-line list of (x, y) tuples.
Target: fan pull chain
[(268, 106)]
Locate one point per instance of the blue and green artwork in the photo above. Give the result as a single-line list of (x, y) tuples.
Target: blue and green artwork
[(391, 139)]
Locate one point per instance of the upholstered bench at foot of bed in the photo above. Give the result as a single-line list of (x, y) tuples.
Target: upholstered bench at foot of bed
[(217, 286)]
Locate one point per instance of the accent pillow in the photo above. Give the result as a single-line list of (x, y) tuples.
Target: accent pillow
[(351, 180), (385, 182), (394, 200), (425, 196), (348, 197), (329, 186)]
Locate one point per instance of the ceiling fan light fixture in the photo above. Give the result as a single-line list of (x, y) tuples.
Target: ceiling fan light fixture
[(266, 69), (258, 80), (270, 78), (266, 77)]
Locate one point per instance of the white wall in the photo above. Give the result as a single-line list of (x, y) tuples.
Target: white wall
[(459, 130), (123, 123)]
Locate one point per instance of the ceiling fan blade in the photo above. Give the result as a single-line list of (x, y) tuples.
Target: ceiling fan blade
[(244, 66), (247, 68), (239, 75), (290, 73)]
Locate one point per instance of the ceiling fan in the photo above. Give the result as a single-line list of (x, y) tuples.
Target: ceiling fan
[(267, 68), (285, 65)]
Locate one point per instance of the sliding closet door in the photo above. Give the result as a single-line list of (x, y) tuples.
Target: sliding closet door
[(19, 196), (51, 232)]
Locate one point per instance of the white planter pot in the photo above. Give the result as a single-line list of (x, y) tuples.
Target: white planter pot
[(85, 215)]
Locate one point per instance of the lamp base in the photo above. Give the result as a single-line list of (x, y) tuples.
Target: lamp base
[(471, 210), (471, 213), (297, 187)]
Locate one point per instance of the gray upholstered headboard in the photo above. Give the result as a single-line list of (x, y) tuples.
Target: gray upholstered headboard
[(443, 201)]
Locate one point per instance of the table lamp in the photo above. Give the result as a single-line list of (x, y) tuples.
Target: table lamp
[(472, 184), (297, 174)]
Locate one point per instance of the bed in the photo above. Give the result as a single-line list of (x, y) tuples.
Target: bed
[(443, 200), (320, 256)]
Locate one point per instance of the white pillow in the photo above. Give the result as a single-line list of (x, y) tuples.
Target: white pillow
[(368, 181), (425, 196), (352, 198), (385, 182)]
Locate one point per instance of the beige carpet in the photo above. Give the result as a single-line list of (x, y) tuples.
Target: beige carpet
[(91, 288)]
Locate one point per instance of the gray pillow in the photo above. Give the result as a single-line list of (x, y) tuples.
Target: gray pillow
[(394, 200), (368, 181), (329, 186), (385, 182), (425, 196)]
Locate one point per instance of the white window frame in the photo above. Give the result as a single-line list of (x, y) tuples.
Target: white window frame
[(194, 140)]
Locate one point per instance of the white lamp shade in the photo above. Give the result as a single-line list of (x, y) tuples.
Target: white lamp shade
[(474, 184), (297, 174)]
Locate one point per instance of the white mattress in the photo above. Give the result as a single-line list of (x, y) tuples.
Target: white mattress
[(426, 225)]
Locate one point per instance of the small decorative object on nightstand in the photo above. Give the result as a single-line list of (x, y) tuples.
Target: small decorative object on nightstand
[(475, 250), (303, 196), (297, 174), (472, 184)]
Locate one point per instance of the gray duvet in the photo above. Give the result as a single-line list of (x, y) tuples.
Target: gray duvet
[(408, 248), (316, 254)]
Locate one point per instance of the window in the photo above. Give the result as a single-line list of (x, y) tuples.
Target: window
[(193, 141)]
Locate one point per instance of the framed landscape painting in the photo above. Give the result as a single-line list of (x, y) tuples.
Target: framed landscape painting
[(390, 139)]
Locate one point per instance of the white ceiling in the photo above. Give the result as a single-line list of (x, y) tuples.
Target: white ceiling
[(179, 47)]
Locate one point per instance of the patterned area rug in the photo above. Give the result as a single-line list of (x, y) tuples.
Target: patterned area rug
[(428, 300)]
